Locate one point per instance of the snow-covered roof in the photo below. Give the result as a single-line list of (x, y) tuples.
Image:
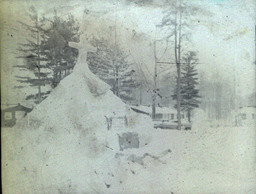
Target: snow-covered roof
[(161, 110), (248, 107), (247, 110), (19, 107)]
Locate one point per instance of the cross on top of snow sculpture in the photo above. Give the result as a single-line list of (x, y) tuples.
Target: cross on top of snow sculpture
[(95, 84), (83, 46)]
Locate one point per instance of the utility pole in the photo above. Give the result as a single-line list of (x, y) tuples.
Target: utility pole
[(155, 90), (155, 82)]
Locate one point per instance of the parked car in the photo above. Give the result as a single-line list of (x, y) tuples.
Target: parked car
[(172, 125)]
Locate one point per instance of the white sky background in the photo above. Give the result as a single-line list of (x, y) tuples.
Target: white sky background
[(224, 39)]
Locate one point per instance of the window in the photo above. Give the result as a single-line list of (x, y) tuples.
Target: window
[(182, 116), (159, 116), (253, 116), (172, 116), (8, 116), (165, 116)]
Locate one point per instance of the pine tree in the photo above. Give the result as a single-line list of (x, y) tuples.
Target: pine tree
[(60, 57), (128, 83), (177, 21), (46, 51), (110, 64), (189, 82), (174, 21), (35, 61)]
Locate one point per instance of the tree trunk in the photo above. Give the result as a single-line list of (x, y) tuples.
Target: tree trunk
[(155, 84), (178, 67), (39, 86), (117, 81), (189, 115), (178, 97), (177, 60), (38, 61), (153, 106)]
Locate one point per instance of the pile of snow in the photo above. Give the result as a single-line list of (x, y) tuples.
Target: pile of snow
[(65, 146)]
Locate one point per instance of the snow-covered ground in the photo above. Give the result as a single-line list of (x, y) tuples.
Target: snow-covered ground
[(64, 146), (220, 160)]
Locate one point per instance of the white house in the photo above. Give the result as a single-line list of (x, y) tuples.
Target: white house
[(162, 113)]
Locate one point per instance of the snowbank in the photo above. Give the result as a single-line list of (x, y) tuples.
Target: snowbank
[(66, 139), (64, 146)]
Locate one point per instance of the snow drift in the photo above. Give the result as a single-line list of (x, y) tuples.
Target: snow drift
[(66, 145)]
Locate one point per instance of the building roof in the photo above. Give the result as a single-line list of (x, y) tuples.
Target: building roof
[(19, 107), (148, 110), (247, 107)]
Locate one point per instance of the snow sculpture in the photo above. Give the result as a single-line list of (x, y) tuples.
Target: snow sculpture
[(68, 145), (95, 84)]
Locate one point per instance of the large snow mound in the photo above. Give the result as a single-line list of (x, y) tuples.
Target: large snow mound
[(65, 146), (66, 138)]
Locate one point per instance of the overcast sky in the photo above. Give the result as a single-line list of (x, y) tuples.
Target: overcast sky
[(223, 34)]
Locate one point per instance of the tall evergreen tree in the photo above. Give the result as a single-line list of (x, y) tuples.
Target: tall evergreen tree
[(46, 51), (31, 51), (174, 20), (178, 21), (60, 57), (128, 83), (110, 64), (189, 83)]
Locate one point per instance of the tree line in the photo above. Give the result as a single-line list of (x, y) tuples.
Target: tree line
[(46, 52), (48, 58), (177, 22)]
